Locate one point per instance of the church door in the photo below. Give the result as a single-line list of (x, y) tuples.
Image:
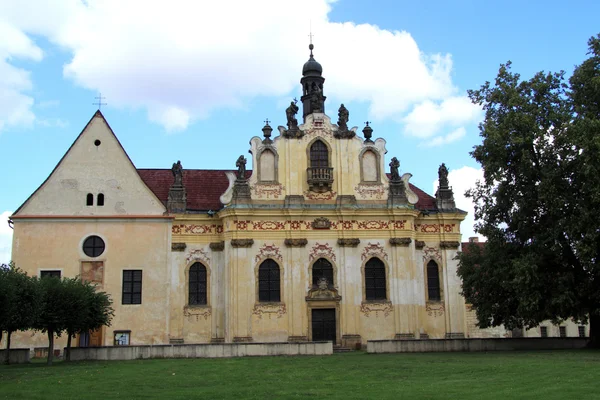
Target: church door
[(323, 324), (91, 338)]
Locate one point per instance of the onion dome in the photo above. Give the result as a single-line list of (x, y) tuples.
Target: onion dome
[(312, 67)]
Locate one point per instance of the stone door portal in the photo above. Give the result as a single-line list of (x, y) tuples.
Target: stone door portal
[(323, 324)]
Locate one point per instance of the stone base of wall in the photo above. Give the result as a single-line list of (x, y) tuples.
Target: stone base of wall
[(404, 336), (17, 356), (297, 339), (352, 341), (492, 344), (201, 351)]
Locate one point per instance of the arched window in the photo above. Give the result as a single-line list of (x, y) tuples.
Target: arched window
[(319, 157), (197, 284), (433, 281), (100, 201), (375, 285), (90, 199), (269, 281), (322, 269)]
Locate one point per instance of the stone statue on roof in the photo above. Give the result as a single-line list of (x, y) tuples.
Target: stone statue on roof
[(394, 166), (177, 170), (343, 116), (290, 113), (443, 176), (241, 166)]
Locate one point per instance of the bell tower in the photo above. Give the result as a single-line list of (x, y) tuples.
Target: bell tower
[(312, 98)]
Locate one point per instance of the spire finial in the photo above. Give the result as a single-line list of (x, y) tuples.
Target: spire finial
[(310, 36)]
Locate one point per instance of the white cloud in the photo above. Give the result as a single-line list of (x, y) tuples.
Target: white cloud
[(449, 138), (183, 59), (428, 118), (15, 105), (461, 180), (5, 238)]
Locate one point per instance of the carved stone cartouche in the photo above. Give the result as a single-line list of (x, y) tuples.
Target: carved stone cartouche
[(321, 223)]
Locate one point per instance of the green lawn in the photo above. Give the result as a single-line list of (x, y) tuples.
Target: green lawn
[(500, 375)]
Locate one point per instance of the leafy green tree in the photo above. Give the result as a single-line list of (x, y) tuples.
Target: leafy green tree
[(18, 302), (52, 316), (87, 309), (539, 202)]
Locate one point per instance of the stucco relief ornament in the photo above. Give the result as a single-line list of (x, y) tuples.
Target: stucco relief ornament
[(197, 312), (198, 255), (370, 190), (267, 190), (268, 251), (309, 194), (323, 291), (435, 309), (384, 307), (431, 253), (373, 250), (261, 309), (321, 250)]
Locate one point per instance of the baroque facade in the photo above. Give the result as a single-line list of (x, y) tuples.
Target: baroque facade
[(316, 241)]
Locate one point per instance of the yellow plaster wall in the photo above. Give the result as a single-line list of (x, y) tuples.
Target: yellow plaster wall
[(130, 244)]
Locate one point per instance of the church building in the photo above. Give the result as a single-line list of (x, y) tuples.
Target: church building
[(315, 238)]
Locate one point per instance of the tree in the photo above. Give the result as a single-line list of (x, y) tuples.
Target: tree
[(18, 302), (87, 309), (539, 201), (52, 316)]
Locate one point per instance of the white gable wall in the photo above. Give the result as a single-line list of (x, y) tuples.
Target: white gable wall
[(87, 168)]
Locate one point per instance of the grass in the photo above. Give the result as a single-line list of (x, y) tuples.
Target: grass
[(502, 375)]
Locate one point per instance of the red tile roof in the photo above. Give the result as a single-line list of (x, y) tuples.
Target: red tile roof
[(464, 246), (205, 186)]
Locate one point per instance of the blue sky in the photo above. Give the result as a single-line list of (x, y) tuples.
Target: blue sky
[(194, 80)]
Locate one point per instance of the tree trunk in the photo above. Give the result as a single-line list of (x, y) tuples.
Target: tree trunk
[(50, 346), (594, 341), (8, 333), (68, 350)]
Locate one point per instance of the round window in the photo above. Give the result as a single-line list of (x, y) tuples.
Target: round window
[(93, 246)]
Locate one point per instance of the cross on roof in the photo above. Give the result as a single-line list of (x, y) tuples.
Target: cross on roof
[(267, 121), (99, 103)]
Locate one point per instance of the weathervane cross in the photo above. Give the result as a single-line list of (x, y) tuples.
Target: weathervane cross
[(99, 103)]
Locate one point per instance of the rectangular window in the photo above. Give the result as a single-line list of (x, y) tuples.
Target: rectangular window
[(122, 338), (50, 274), (563, 331), (132, 286), (543, 331), (581, 330)]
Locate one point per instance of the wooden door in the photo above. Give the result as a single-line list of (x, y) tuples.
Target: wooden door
[(323, 324)]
